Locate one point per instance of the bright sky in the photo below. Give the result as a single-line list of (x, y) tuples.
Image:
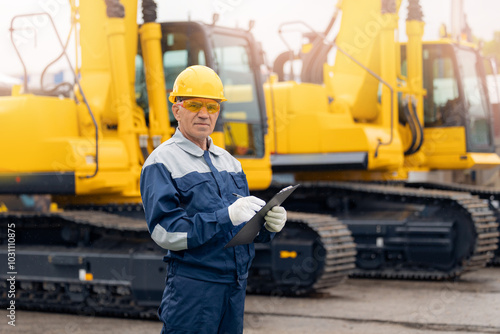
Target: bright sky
[(482, 16)]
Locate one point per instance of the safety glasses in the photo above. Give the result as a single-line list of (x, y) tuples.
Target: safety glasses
[(195, 106)]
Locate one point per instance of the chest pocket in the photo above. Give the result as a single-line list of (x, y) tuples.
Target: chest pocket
[(198, 194), (186, 184), (240, 183)]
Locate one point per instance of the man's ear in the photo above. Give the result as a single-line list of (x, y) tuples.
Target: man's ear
[(175, 111)]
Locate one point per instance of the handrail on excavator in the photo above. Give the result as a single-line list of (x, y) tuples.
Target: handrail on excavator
[(11, 29)]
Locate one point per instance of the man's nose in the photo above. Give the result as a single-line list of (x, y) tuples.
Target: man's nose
[(203, 112)]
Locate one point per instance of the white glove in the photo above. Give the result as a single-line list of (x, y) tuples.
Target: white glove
[(244, 208), (275, 219)]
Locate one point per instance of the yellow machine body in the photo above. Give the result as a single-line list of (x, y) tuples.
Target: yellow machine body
[(303, 123), (352, 111), (50, 141)]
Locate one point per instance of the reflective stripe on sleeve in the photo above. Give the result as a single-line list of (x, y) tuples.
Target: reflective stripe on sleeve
[(169, 240)]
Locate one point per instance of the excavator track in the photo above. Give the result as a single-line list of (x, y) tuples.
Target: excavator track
[(487, 193), (94, 268), (319, 253), (336, 239), (465, 219)]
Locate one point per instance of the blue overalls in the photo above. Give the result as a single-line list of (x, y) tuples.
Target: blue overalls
[(185, 193)]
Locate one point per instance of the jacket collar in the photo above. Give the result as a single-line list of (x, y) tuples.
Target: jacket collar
[(193, 149)]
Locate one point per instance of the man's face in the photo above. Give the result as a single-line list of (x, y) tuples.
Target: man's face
[(195, 126)]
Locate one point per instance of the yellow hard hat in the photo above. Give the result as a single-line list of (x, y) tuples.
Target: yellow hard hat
[(198, 81)]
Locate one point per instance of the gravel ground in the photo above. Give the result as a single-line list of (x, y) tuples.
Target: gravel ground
[(470, 305)]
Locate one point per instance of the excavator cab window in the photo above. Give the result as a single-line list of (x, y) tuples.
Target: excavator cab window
[(243, 131), (442, 105), (141, 92), (478, 122), (493, 84), (183, 45)]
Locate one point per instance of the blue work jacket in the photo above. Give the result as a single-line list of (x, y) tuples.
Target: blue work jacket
[(185, 193)]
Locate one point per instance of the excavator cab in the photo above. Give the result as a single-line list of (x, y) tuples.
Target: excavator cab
[(491, 70), (236, 57), (458, 131), (457, 109)]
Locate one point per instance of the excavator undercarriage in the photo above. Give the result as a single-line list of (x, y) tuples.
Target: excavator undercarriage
[(407, 233), (101, 260)]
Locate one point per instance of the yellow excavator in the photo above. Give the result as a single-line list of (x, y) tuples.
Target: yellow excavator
[(384, 109), (381, 110)]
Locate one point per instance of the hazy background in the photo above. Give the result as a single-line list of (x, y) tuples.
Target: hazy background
[(482, 16)]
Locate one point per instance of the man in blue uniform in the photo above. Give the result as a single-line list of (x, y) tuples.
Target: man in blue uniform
[(187, 187)]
